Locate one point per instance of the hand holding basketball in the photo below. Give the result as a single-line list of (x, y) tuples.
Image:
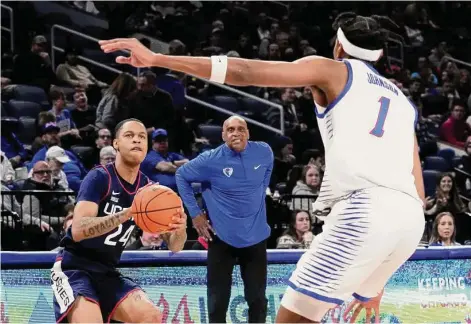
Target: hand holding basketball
[(158, 209), (178, 222)]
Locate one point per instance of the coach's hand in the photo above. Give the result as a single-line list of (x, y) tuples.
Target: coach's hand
[(202, 226), (178, 222), (140, 56), (372, 304)]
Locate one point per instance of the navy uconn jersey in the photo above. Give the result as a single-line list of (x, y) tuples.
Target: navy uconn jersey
[(112, 193)]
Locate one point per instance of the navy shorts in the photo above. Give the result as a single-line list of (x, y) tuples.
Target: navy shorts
[(107, 290)]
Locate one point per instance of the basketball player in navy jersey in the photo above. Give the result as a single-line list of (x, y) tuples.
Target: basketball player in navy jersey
[(372, 184), (86, 284)]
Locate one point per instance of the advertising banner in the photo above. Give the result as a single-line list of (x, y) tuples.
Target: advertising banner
[(425, 291)]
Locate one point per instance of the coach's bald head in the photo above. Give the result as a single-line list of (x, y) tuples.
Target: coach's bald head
[(235, 133)]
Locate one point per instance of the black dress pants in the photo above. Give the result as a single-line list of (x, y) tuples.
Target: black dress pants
[(253, 267)]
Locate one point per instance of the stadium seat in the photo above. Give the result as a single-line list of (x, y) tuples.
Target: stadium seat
[(456, 162), (253, 105), (436, 163), (10, 122), (225, 102), (430, 181), (4, 109), (27, 131), (212, 132), (19, 109), (448, 154), (29, 93), (83, 152), (281, 188)]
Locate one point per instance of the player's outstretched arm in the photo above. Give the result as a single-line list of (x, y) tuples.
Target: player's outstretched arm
[(308, 71), (86, 225)]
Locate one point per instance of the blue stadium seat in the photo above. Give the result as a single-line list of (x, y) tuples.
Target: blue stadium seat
[(4, 109), (253, 105), (436, 163), (83, 152), (225, 102), (448, 154), (456, 162), (27, 131), (19, 109), (29, 93), (430, 181), (212, 132)]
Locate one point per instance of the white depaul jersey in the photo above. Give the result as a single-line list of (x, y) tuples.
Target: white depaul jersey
[(368, 133)]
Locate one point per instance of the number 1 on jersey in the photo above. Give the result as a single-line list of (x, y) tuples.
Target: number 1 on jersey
[(378, 130)]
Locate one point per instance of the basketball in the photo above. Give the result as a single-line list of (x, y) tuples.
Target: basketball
[(153, 208)]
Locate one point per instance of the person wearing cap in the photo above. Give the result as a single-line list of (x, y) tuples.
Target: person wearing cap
[(57, 158), (73, 168), (160, 165), (34, 67)]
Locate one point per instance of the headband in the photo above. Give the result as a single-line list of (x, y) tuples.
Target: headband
[(358, 52)]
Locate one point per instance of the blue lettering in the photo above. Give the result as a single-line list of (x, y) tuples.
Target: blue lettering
[(376, 80), (202, 305), (238, 300), (271, 308)]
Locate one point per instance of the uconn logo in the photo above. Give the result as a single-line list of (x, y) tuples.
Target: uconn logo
[(111, 208)]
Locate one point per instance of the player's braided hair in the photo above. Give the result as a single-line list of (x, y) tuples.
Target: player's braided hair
[(367, 32)]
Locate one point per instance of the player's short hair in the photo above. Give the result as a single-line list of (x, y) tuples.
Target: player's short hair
[(370, 33), (120, 125)]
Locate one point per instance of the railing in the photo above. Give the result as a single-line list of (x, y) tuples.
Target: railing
[(11, 29), (468, 64), (401, 52), (222, 110)]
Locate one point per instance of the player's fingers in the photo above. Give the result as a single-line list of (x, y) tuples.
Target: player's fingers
[(111, 41), (356, 313), (377, 315), (368, 315), (349, 309), (123, 60)]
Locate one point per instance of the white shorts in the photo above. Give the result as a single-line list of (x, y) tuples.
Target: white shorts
[(365, 239)]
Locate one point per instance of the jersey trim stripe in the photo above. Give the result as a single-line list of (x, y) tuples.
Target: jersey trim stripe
[(341, 95)]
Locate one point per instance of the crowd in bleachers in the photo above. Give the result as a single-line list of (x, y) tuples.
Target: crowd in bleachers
[(58, 121)]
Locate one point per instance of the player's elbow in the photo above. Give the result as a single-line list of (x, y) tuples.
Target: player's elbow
[(76, 235)]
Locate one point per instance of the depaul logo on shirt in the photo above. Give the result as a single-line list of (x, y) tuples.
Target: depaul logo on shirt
[(227, 171)]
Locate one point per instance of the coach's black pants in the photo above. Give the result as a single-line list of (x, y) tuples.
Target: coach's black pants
[(253, 267)]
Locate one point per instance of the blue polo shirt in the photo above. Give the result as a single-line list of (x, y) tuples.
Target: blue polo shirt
[(164, 178), (234, 189)]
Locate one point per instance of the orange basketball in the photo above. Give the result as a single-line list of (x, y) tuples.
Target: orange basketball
[(153, 208)]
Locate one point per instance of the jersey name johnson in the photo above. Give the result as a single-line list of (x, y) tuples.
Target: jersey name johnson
[(368, 134)]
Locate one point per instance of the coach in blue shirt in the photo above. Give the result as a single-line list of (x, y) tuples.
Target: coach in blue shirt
[(234, 178)]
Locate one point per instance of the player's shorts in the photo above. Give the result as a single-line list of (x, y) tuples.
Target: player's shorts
[(107, 290), (365, 239)]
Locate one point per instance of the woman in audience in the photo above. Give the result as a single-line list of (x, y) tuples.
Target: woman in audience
[(444, 232), (298, 235), (446, 197), (309, 185), (115, 104)]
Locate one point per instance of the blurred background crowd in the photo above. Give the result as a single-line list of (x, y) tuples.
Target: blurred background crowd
[(62, 97)]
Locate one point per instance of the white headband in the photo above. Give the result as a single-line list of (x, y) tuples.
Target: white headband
[(358, 52)]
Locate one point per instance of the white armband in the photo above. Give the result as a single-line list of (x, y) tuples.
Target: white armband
[(218, 69)]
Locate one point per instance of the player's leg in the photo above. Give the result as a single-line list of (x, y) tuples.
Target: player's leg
[(84, 311), (221, 261), (373, 286), (253, 270), (75, 299), (349, 250), (126, 302)]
